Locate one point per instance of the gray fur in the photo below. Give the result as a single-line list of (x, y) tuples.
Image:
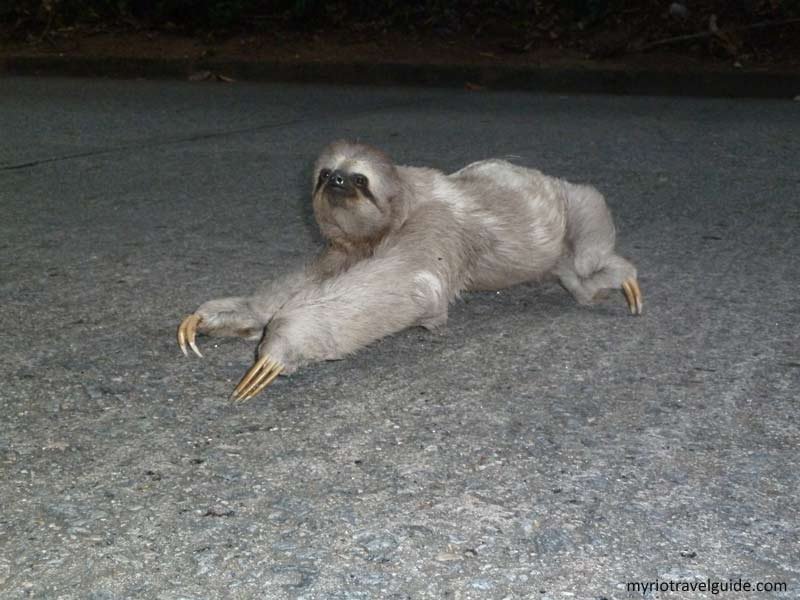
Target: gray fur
[(401, 249)]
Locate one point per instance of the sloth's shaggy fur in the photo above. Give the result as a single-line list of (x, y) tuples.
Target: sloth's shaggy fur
[(402, 242)]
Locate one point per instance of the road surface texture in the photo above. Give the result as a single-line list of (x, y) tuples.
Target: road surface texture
[(535, 449)]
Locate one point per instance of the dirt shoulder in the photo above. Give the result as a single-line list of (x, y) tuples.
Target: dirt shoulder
[(391, 58)]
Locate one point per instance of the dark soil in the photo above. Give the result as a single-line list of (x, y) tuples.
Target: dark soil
[(709, 35)]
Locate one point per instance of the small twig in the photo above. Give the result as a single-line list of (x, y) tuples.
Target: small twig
[(51, 13), (705, 34)]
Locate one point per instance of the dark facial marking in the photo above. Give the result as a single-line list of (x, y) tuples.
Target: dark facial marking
[(362, 183), (340, 184), (368, 195), (321, 179)]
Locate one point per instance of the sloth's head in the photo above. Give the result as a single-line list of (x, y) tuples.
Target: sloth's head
[(356, 189)]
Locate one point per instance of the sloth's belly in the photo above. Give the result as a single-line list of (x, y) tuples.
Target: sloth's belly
[(514, 261), (496, 275)]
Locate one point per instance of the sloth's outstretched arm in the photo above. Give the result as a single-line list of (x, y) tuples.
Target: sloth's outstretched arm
[(246, 316), (375, 298)]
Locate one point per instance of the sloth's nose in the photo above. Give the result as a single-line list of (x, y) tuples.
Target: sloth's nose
[(339, 186)]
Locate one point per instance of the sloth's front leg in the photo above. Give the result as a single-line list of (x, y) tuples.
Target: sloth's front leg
[(247, 316), (243, 316), (328, 321)]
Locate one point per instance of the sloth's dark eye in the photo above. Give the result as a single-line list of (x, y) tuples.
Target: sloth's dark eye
[(359, 180), (324, 174)]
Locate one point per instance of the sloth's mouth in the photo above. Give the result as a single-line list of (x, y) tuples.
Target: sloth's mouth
[(337, 195), (339, 189)]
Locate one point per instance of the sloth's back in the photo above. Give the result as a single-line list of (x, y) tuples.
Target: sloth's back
[(522, 215)]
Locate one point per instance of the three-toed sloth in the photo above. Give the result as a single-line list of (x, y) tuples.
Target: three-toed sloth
[(402, 242)]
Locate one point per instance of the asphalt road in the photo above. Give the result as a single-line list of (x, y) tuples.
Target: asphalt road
[(536, 449)]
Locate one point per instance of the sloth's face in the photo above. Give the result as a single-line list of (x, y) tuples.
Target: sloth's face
[(352, 196)]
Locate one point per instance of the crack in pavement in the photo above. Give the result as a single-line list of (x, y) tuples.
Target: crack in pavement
[(182, 140), (152, 144)]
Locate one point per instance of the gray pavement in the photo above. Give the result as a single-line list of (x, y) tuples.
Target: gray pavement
[(536, 449)]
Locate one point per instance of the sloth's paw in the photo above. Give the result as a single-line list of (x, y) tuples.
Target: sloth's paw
[(279, 353), (226, 317), (258, 377), (633, 295), (187, 332)]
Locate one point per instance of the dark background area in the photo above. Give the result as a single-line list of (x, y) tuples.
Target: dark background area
[(736, 33)]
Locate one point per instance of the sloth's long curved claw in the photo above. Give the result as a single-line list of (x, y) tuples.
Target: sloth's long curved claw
[(260, 375), (633, 295), (187, 332)]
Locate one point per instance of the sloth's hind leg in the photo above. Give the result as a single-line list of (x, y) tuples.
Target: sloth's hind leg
[(590, 267), (224, 317), (614, 273)]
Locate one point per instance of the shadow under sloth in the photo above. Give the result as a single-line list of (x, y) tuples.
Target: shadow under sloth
[(402, 242)]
